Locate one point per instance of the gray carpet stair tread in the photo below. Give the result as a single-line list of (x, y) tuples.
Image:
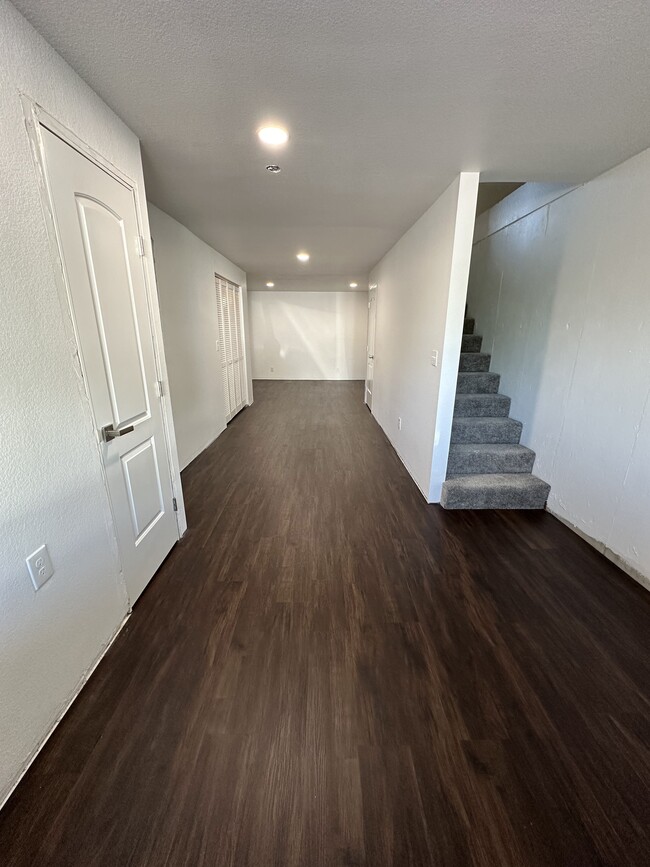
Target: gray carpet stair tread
[(478, 383), (470, 458), (474, 361), (494, 405), (494, 491), (485, 430), (487, 467)]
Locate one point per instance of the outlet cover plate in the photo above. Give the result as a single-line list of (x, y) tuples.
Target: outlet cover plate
[(39, 567)]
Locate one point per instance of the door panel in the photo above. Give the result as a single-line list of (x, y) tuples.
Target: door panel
[(115, 309), (98, 236), (142, 479)]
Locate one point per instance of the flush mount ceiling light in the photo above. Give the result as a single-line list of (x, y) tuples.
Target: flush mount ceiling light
[(302, 257), (270, 284), (275, 136), (353, 285), (273, 169)]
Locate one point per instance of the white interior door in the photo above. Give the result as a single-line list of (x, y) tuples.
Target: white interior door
[(231, 339), (224, 337), (370, 349), (232, 358), (99, 242)]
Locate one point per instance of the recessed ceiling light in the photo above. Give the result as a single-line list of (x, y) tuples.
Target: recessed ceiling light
[(273, 135), (274, 169), (270, 285), (353, 285), (302, 257)]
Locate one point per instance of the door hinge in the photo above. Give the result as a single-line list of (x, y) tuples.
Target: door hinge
[(160, 388), (140, 243), (175, 504)]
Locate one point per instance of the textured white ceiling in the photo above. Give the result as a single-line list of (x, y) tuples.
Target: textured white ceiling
[(386, 101)]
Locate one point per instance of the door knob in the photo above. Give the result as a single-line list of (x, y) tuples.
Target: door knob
[(371, 356), (110, 433)]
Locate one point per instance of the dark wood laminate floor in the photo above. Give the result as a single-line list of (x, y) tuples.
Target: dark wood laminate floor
[(326, 671)]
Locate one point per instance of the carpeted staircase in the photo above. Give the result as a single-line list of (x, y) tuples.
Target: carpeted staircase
[(487, 468)]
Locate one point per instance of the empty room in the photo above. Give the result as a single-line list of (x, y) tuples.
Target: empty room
[(325, 427)]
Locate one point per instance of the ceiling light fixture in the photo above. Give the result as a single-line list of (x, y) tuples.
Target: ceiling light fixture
[(353, 285), (302, 257), (274, 169), (275, 136), (270, 285)]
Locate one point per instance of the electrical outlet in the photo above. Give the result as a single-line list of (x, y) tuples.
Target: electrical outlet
[(399, 423), (273, 370), (39, 567)]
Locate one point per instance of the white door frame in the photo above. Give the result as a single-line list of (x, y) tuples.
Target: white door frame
[(35, 117), (243, 337)]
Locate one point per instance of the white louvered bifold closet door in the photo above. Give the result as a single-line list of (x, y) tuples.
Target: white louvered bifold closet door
[(231, 342), (222, 310), (232, 379)]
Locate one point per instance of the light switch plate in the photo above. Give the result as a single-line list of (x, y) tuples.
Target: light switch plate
[(39, 567)]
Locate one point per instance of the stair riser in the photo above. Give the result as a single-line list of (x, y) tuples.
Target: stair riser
[(493, 500), (468, 326), (486, 464), (477, 383), (471, 343), (474, 361), (491, 405), (473, 430)]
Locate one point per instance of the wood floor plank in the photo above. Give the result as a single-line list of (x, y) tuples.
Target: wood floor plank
[(327, 672)]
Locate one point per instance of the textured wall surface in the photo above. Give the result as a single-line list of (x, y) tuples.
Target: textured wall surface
[(309, 335), (562, 298), (52, 488), (415, 284), (185, 269)]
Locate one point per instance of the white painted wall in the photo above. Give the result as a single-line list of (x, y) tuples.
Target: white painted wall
[(185, 269), (562, 298), (309, 335), (50, 477), (421, 288)]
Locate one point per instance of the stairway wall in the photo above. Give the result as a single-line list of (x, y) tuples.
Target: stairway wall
[(562, 298), (421, 293)]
